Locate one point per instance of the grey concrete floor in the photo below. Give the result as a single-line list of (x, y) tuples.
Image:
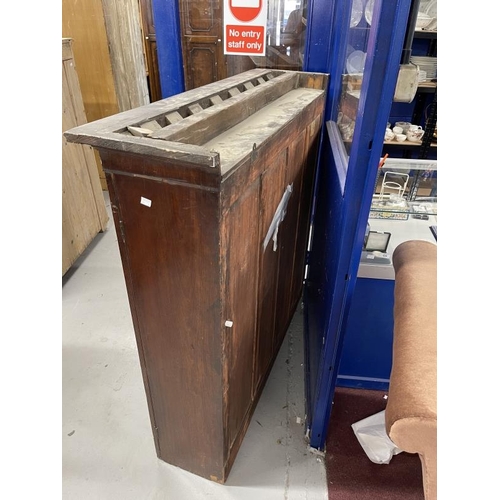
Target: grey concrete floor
[(107, 444)]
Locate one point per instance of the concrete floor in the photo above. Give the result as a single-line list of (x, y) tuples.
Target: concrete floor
[(107, 444)]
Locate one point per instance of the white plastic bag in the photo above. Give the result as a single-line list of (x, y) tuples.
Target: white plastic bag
[(373, 437)]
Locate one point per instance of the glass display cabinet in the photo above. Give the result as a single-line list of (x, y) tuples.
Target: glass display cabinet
[(403, 207), (404, 203)]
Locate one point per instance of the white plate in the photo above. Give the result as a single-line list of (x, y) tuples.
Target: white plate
[(431, 9), (423, 20), (355, 63), (369, 11), (356, 12)]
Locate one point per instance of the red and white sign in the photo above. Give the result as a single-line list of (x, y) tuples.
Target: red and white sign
[(245, 27)]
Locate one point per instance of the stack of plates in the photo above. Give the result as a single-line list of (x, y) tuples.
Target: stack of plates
[(427, 64)]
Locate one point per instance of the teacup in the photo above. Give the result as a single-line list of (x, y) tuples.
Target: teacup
[(415, 135), (389, 135), (397, 129), (414, 127), (404, 125), (400, 137)]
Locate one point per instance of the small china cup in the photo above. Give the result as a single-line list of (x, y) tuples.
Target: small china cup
[(414, 135)]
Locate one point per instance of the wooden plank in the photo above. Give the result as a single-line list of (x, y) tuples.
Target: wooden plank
[(202, 127), (174, 117), (159, 109), (216, 99), (140, 131), (151, 125), (94, 167), (195, 108), (83, 210), (83, 22), (234, 92), (245, 173), (240, 140), (174, 169), (67, 51), (123, 28)]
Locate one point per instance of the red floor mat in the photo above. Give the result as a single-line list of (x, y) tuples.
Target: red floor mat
[(350, 473)]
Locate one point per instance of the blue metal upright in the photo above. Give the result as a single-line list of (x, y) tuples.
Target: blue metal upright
[(344, 189), (168, 43)]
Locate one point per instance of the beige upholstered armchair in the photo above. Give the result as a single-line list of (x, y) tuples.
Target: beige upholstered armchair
[(411, 413)]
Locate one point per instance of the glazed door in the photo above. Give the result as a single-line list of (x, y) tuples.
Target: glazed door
[(361, 44)]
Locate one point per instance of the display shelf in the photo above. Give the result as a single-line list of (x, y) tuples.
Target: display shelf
[(404, 204), (427, 87), (408, 144), (385, 209), (426, 34)]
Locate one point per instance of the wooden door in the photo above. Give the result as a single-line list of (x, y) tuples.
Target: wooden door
[(202, 48), (149, 41)]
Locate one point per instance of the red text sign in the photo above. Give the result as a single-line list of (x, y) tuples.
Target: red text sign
[(247, 39), (245, 23)]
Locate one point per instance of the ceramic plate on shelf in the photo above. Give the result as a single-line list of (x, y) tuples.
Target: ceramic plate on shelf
[(423, 20), (356, 12), (369, 11), (355, 63), (431, 9)]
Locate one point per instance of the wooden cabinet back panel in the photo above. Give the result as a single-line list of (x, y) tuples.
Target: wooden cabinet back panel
[(170, 236)]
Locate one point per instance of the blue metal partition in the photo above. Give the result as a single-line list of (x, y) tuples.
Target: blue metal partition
[(344, 189), (168, 45)]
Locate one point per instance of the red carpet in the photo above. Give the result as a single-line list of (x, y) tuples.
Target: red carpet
[(351, 475)]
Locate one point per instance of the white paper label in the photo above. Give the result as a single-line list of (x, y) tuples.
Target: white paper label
[(145, 201)]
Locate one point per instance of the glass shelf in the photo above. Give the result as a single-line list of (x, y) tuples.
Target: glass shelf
[(404, 188)]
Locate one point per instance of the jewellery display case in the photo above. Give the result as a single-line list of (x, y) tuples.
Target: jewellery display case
[(404, 207)]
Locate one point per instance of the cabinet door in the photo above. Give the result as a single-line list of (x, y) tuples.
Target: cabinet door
[(272, 188), (241, 244), (201, 32)]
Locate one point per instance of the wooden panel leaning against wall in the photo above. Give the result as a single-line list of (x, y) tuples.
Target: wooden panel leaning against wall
[(107, 46), (83, 209)]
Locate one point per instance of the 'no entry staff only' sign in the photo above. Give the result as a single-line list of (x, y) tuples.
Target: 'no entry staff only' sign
[(245, 27)]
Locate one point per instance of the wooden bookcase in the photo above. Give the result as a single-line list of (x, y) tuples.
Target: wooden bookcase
[(211, 194)]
